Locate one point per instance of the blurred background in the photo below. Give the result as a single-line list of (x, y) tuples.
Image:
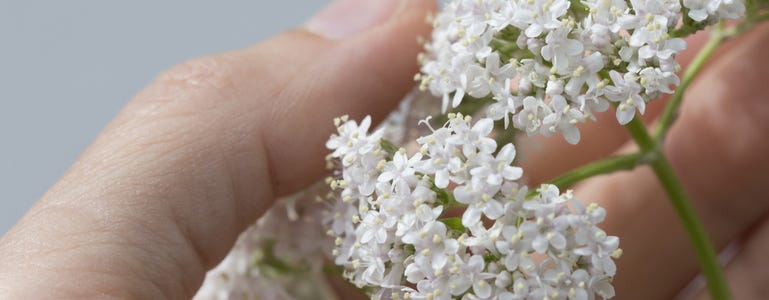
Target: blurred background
[(67, 67)]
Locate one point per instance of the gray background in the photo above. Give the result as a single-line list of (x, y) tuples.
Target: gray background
[(66, 68)]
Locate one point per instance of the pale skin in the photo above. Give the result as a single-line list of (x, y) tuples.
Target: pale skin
[(198, 155)]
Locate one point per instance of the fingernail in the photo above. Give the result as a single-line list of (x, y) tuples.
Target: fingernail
[(344, 18)]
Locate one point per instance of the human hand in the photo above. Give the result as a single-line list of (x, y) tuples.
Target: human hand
[(199, 154), (718, 148)]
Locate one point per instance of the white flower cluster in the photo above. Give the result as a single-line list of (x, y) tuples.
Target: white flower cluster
[(549, 64), (281, 257), (395, 232)]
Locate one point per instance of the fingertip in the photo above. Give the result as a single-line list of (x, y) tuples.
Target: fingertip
[(347, 18), (365, 74)]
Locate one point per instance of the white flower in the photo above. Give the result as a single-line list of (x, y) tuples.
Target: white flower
[(494, 170), (698, 9), (545, 64), (478, 202), (656, 81), (560, 50), (701, 11), (727, 9), (607, 13), (557, 48), (492, 79), (430, 290), (599, 248), (473, 274), (564, 119), (432, 245), (585, 72), (374, 227), (481, 239), (374, 270), (530, 117), (504, 107), (516, 248), (473, 140), (543, 15), (352, 139), (626, 91), (400, 170)]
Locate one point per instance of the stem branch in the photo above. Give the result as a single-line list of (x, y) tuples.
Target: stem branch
[(683, 207), (605, 166)]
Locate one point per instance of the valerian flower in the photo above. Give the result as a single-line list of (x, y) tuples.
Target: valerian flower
[(507, 244)]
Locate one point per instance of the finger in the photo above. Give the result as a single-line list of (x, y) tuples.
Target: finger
[(718, 149), (545, 158), (197, 156), (748, 274)]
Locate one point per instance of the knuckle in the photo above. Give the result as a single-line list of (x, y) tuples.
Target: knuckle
[(209, 75), (189, 88)]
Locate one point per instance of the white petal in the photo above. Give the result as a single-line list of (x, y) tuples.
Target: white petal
[(571, 134), (507, 153), (471, 216), (573, 47), (463, 195), (625, 116), (365, 124), (534, 30), (458, 95), (484, 126), (381, 236), (366, 237), (494, 209), (540, 244), (512, 173), (442, 179), (558, 241), (476, 264), (698, 15), (386, 177), (439, 260), (482, 289)]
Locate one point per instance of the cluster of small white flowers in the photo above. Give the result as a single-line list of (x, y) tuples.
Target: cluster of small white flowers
[(395, 232), (281, 257), (549, 64)]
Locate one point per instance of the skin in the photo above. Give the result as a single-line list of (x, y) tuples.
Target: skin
[(198, 155)]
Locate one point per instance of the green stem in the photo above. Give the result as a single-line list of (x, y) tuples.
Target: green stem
[(638, 131), (683, 207), (605, 166), (671, 110)]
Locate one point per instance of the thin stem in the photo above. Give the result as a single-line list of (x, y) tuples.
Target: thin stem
[(605, 166), (641, 136), (683, 207), (671, 110), (703, 248)]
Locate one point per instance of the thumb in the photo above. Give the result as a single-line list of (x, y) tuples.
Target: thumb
[(355, 57), (201, 153), (364, 74)]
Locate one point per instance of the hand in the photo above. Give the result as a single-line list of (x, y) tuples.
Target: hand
[(718, 148), (203, 151), (197, 156)]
